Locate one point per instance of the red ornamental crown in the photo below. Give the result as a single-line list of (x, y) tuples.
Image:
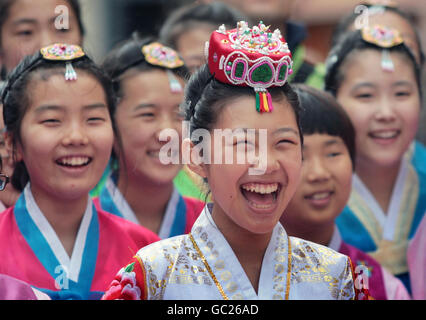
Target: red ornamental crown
[(254, 57)]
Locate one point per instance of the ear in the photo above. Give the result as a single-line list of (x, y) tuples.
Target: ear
[(192, 158), (14, 151)]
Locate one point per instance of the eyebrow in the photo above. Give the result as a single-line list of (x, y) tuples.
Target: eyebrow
[(143, 106), (402, 83), (24, 21), (278, 131), (33, 20), (285, 130), (332, 142), (95, 106), (44, 108), (363, 84)]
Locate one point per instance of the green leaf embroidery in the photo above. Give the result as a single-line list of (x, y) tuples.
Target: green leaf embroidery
[(130, 267)]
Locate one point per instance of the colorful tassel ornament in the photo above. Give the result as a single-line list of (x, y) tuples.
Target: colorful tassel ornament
[(263, 101)]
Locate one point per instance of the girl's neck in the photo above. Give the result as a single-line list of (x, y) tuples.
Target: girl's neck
[(248, 247), (148, 200), (379, 180), (64, 215)]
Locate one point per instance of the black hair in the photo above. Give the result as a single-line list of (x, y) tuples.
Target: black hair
[(322, 114), (205, 97), (190, 16), (346, 22), (4, 15), (351, 42), (128, 55), (16, 99)]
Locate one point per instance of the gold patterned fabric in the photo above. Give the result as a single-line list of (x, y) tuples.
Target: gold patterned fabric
[(202, 265)]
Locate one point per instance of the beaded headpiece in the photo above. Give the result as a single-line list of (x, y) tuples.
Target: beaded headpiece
[(154, 53), (63, 52), (253, 57), (58, 52), (159, 55), (385, 38)]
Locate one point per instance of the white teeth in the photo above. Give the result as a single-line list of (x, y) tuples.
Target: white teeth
[(320, 196), (74, 161), (385, 135), (260, 206), (261, 188)]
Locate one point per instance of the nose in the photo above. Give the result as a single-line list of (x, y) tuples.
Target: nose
[(317, 172), (265, 163), (166, 125), (385, 112), (75, 135)]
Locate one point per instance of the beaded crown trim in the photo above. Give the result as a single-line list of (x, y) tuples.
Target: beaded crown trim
[(253, 57)]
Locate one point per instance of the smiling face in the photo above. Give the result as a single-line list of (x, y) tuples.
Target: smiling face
[(31, 26), (66, 135), (324, 187), (254, 203), (148, 106), (383, 106)]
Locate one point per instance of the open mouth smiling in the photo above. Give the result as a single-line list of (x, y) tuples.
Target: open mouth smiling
[(74, 161), (261, 195)]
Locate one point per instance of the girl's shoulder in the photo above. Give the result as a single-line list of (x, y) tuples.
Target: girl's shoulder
[(164, 248), (316, 265), (307, 252), (157, 256)]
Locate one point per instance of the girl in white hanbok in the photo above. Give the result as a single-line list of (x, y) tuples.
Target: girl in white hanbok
[(237, 249)]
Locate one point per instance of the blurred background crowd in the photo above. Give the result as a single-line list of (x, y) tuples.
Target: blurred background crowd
[(107, 22)]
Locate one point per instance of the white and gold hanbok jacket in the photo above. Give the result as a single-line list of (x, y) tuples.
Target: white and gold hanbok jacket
[(202, 266)]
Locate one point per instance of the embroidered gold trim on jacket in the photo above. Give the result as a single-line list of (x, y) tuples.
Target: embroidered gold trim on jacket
[(206, 264)]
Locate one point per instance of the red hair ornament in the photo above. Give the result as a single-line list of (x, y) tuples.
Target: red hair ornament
[(253, 57)]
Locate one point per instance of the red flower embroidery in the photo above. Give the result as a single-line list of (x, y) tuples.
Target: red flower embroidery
[(124, 286)]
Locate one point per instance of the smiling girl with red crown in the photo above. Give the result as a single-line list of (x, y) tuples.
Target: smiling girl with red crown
[(237, 249)]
